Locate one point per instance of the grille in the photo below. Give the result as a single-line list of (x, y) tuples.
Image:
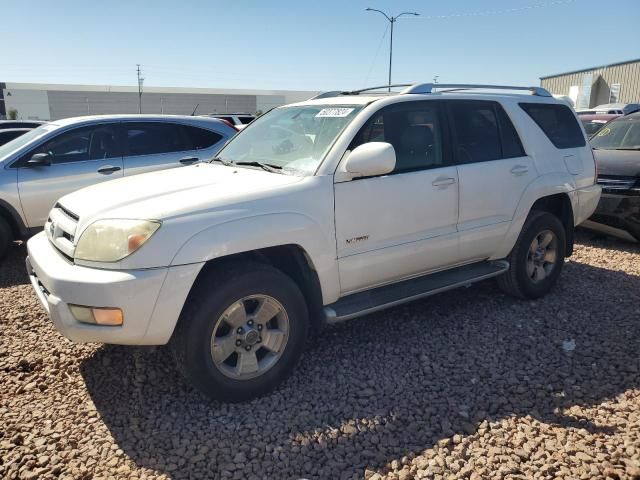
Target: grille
[(612, 183), (61, 230)]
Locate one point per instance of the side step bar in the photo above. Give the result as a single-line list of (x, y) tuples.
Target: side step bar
[(363, 303)]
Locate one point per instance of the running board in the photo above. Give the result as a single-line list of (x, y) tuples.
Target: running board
[(363, 303)]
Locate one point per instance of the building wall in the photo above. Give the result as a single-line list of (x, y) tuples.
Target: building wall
[(51, 102), (626, 74)]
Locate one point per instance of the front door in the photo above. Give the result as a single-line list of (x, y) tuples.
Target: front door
[(79, 158), (401, 224)]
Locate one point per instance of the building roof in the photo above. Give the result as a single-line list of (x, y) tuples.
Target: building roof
[(637, 60)]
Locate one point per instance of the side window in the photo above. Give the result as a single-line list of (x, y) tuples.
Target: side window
[(414, 130), (245, 120), (477, 135), (199, 138), (557, 122), (154, 138), (87, 143), (511, 144)]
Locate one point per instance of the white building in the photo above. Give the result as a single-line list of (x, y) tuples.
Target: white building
[(53, 101)]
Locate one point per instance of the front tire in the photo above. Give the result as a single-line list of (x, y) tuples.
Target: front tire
[(537, 257), (241, 332), (6, 237)]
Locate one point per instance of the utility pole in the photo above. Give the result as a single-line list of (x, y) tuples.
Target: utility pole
[(391, 20), (140, 80)]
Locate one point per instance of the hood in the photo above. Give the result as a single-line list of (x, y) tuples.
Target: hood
[(618, 162), (167, 193)]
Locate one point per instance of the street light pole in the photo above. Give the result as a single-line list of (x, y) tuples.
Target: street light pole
[(391, 20)]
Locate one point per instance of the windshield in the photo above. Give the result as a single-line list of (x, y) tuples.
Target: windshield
[(592, 126), (294, 139), (22, 140), (621, 134)]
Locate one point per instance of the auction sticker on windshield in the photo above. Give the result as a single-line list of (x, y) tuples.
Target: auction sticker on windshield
[(334, 112)]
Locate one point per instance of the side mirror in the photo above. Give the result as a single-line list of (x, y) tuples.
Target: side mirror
[(39, 160), (371, 159)]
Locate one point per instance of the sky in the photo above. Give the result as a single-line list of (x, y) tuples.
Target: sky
[(305, 45)]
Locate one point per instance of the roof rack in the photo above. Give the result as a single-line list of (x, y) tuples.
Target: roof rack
[(427, 88), (430, 87)]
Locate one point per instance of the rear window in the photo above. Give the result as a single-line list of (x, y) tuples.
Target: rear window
[(201, 138), (557, 122)]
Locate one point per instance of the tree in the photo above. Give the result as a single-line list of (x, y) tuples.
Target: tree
[(13, 114)]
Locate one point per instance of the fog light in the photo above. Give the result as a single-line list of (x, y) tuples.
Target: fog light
[(97, 316)]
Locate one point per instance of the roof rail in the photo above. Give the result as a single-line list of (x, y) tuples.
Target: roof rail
[(337, 93), (430, 87), (333, 93)]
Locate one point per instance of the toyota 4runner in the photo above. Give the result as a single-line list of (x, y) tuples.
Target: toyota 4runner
[(319, 212)]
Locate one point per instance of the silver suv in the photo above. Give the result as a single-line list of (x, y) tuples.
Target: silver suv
[(60, 157)]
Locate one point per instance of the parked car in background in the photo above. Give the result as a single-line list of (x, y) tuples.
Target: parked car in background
[(238, 120), (20, 124), (612, 109), (8, 134), (322, 211), (617, 151), (593, 123), (59, 157)]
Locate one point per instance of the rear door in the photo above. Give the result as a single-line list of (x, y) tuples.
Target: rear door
[(80, 157), (493, 169), (150, 146)]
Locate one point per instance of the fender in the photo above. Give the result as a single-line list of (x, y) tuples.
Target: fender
[(543, 186), (268, 230)]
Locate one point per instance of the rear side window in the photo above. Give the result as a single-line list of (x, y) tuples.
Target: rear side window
[(511, 144), (477, 135), (199, 138), (154, 138), (557, 122)]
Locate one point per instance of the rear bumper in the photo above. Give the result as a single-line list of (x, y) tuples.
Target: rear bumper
[(151, 300), (588, 198), (619, 211)]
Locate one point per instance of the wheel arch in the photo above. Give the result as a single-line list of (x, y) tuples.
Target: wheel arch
[(291, 259), (9, 214)]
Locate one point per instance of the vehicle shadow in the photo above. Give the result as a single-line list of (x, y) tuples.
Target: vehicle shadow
[(416, 374), (12, 269), (602, 240)]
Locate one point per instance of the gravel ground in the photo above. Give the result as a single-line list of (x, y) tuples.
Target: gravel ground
[(468, 384)]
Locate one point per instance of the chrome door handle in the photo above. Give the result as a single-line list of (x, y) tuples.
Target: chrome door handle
[(188, 160), (443, 181), (519, 170), (108, 169)]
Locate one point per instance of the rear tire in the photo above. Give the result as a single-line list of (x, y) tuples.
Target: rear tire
[(6, 237), (241, 332), (537, 257)]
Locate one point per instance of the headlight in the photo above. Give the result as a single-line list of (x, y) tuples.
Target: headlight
[(113, 240)]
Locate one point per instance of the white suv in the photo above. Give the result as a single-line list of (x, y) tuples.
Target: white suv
[(318, 212)]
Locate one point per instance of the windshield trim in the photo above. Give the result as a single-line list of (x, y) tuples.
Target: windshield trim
[(291, 170)]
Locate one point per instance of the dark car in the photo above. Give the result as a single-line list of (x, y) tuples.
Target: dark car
[(9, 134), (594, 122), (616, 148), (4, 124)]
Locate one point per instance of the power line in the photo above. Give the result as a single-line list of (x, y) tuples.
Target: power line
[(486, 13), (375, 57)]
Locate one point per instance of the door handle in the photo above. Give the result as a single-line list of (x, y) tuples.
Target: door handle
[(443, 181), (519, 170), (188, 160), (108, 169)]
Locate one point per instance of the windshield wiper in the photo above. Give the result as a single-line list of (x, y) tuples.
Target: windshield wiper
[(269, 167), (224, 162)]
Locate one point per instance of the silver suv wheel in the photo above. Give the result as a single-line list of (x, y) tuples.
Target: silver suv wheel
[(249, 337), (541, 258)]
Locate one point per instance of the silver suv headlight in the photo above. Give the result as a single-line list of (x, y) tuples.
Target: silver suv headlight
[(114, 239)]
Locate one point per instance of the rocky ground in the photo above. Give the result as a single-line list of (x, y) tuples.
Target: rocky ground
[(468, 384)]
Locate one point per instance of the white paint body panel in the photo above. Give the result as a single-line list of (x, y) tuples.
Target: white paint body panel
[(357, 234)]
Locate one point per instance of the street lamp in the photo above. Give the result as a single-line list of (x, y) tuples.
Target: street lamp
[(391, 20)]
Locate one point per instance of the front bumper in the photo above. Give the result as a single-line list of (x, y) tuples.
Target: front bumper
[(151, 299), (619, 211)]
